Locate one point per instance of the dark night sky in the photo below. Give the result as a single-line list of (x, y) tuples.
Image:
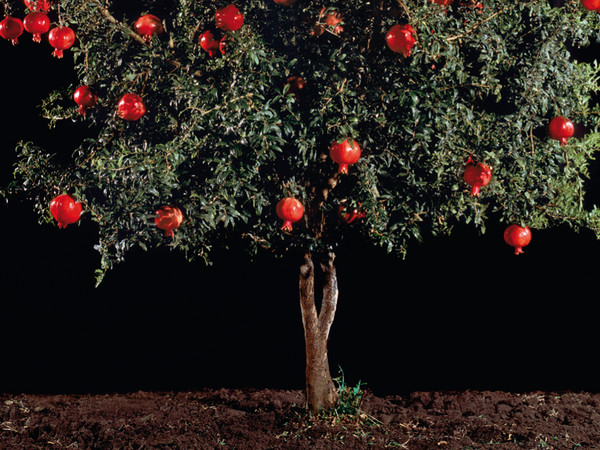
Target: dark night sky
[(459, 312)]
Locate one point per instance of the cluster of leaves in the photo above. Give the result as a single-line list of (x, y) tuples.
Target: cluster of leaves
[(224, 140)]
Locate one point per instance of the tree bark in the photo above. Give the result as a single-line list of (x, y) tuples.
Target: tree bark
[(320, 389)]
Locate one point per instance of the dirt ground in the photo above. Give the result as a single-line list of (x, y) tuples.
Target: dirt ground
[(272, 419)]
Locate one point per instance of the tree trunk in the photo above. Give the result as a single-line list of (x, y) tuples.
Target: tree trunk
[(320, 389)]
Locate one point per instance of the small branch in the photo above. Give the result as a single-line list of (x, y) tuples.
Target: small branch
[(474, 27), (330, 296), (108, 16), (307, 298)]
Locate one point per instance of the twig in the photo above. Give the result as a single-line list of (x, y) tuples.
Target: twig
[(114, 21)]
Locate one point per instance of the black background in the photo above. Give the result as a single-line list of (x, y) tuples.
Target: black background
[(459, 312)]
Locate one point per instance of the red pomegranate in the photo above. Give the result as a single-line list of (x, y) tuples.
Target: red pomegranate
[(85, 98), (131, 107), (38, 5), (147, 26), (61, 38), (289, 210), (401, 39), (592, 5), (517, 237), (168, 218), (11, 28), (477, 175), (344, 153), (561, 129), (65, 210), (229, 18), (296, 84), (442, 2), (36, 23), (209, 44), (349, 214)]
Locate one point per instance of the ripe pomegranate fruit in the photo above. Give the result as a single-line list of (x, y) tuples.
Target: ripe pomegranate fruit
[(85, 98), (11, 28), (296, 84), (168, 218), (349, 214), (477, 175), (344, 153), (209, 44), (36, 23), (229, 18), (131, 107), (592, 5), (147, 26), (65, 210), (332, 18), (289, 210), (38, 5), (401, 39), (61, 38), (561, 129), (517, 237), (442, 2)]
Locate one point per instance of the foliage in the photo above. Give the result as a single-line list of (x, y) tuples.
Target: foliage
[(224, 139)]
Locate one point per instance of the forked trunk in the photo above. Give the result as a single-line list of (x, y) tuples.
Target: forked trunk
[(320, 389)]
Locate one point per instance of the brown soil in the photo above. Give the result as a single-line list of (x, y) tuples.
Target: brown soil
[(265, 419)]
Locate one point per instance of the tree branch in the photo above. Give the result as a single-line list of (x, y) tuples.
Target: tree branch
[(108, 16), (307, 298), (330, 296)]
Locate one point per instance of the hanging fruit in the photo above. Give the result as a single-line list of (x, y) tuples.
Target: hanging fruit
[(168, 218), (344, 153), (289, 210), (65, 210), (401, 39), (285, 2), (38, 5), (147, 26), (61, 38), (85, 98), (348, 213), (229, 18), (11, 28), (131, 107), (477, 176), (211, 45), (517, 237), (442, 2), (328, 17), (561, 129), (592, 5), (36, 23), (296, 84)]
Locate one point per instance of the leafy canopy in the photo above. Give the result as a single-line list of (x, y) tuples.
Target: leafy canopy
[(224, 138)]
